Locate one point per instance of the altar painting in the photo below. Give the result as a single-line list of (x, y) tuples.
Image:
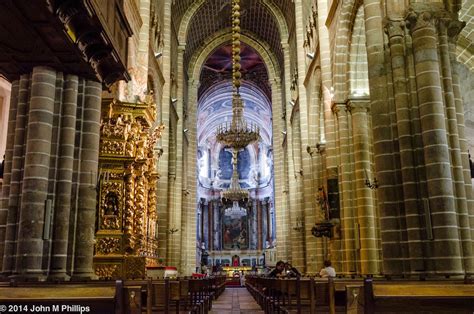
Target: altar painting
[(235, 232)]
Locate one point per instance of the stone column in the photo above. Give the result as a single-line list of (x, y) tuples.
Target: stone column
[(17, 167), (454, 143), (446, 249), (411, 195), (188, 259), (89, 161), (289, 164), (369, 257), (461, 128), (163, 143), (383, 150), (8, 167), (180, 187), (346, 183), (36, 174), (64, 187), (278, 103)]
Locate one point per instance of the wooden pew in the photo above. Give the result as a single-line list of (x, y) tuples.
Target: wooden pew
[(434, 297), (65, 297)]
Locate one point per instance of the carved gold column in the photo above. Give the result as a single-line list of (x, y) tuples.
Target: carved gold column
[(126, 240)]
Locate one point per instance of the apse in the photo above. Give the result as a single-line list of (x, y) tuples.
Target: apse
[(249, 227)]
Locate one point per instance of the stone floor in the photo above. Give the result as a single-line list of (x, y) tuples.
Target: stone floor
[(236, 301)]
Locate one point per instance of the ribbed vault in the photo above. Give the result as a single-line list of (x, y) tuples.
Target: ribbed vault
[(214, 15)]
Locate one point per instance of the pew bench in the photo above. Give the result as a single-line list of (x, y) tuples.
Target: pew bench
[(420, 297), (63, 298)]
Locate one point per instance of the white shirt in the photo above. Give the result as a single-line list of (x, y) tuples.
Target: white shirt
[(327, 272)]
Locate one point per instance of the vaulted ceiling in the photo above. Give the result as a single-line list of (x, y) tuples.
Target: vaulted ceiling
[(214, 15)]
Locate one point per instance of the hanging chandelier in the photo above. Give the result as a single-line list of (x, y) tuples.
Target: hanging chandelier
[(238, 133), (234, 193), (235, 211)]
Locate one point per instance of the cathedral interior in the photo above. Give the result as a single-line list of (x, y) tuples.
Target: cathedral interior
[(124, 125)]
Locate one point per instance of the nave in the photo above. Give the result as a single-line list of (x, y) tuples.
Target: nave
[(236, 300)]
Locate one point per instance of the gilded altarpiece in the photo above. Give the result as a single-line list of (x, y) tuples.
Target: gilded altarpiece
[(126, 236)]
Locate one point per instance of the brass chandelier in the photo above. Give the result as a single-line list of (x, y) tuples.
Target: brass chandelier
[(238, 134)]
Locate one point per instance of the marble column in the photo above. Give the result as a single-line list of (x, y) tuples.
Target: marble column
[(259, 225), (65, 173), (8, 167), (84, 241), (36, 174), (369, 257), (446, 249)]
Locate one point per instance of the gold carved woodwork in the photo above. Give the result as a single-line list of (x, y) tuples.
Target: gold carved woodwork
[(107, 270), (126, 211), (107, 245)]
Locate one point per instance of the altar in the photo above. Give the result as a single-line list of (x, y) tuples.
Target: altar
[(234, 274)]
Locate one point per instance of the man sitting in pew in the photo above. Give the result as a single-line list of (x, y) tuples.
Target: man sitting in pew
[(278, 271), (283, 269)]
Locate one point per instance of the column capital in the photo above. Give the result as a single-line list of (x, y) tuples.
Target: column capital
[(419, 19), (338, 106), (181, 48), (358, 105), (395, 28), (420, 15)]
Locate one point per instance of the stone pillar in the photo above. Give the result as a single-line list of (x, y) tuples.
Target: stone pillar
[(278, 103), (411, 195), (188, 259), (446, 249), (36, 174), (8, 168), (164, 113), (383, 151), (461, 129), (180, 188), (454, 143), (64, 187), (289, 164), (17, 167), (369, 257), (346, 183), (86, 211)]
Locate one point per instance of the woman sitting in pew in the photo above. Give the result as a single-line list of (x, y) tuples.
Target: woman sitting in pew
[(327, 271)]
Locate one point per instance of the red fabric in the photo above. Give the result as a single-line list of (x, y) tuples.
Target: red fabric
[(197, 275)]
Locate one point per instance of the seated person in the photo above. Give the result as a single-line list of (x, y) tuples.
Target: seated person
[(278, 270), (328, 270), (291, 271)]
